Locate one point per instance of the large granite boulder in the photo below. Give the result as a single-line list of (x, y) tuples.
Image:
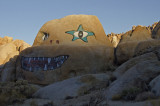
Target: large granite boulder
[(139, 33), (146, 46), (64, 48), (114, 39), (8, 72), (73, 87), (9, 51), (128, 50), (136, 76), (66, 31), (155, 85), (125, 51), (132, 62), (129, 42), (5, 40), (48, 64), (156, 31)]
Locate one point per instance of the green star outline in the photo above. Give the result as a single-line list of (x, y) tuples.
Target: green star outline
[(80, 28)]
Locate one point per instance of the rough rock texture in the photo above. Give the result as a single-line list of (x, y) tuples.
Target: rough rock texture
[(156, 31), (5, 40), (114, 39), (73, 87), (88, 55), (128, 50), (20, 45), (155, 85), (125, 51), (139, 33), (146, 46), (82, 60), (132, 62), (56, 30), (130, 40), (7, 51), (9, 70), (136, 76), (11, 48)]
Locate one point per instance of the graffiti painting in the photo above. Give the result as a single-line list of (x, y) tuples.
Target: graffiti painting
[(42, 63), (80, 33)]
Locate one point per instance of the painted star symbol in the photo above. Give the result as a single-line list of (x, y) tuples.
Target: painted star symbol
[(80, 33)]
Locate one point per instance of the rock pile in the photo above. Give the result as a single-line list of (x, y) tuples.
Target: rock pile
[(66, 48), (73, 62)]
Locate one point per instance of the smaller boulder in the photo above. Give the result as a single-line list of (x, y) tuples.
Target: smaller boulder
[(155, 86), (136, 76), (130, 63), (73, 87), (5, 40)]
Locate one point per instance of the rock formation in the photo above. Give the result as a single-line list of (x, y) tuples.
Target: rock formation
[(114, 38), (156, 30), (9, 49), (54, 32), (73, 62), (72, 46), (5, 40), (73, 87), (131, 40)]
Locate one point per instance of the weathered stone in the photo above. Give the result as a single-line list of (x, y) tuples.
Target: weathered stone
[(9, 70), (136, 76), (20, 45), (156, 31), (5, 40), (129, 41), (64, 48), (6, 51), (128, 50), (132, 62), (54, 32), (73, 87), (81, 60), (125, 51), (11, 49), (155, 85), (114, 39), (146, 46), (140, 33)]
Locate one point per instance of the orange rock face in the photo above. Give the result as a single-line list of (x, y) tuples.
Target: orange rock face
[(48, 64), (54, 32), (10, 48), (64, 48), (139, 33), (5, 40), (156, 31)]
